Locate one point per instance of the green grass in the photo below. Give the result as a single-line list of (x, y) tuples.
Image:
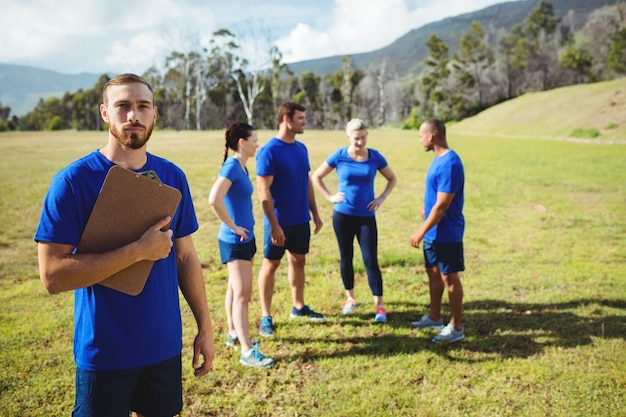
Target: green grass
[(545, 287), (554, 114), (585, 133)]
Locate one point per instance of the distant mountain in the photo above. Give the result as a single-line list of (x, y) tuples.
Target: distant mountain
[(21, 87), (406, 55)]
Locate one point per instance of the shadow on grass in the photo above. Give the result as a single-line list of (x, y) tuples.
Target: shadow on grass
[(492, 327)]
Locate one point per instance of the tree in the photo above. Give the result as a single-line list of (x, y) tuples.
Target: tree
[(281, 75), (178, 81), (347, 86), (617, 52), (434, 79), (580, 61), (515, 58), (598, 34), (473, 61), (45, 111), (539, 28), (248, 79), (339, 90), (311, 96), (541, 20)]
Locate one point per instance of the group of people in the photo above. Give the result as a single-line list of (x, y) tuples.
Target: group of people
[(128, 347)]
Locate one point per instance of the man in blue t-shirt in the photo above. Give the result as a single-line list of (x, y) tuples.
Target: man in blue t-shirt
[(127, 348), (286, 195), (442, 232)]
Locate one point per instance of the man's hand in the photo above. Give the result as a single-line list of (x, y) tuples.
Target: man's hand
[(203, 346), (278, 235), (416, 238), (318, 223), (157, 243)]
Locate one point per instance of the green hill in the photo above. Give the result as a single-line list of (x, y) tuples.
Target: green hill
[(557, 114)]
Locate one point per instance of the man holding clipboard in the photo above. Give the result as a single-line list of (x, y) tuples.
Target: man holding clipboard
[(127, 344)]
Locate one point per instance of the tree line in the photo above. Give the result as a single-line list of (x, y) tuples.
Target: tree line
[(211, 87)]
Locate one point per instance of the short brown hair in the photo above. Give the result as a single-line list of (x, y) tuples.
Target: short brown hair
[(124, 79), (289, 108)]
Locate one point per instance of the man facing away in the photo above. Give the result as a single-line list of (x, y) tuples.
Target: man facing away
[(127, 348), (288, 201), (442, 232)]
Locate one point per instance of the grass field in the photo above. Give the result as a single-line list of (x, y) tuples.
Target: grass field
[(545, 288)]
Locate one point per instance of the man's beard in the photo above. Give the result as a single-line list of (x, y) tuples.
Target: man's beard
[(131, 140)]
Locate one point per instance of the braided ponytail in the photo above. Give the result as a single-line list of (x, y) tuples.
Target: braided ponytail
[(233, 133)]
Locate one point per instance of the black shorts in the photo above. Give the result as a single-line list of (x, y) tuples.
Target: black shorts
[(297, 240), (447, 256), (154, 390)]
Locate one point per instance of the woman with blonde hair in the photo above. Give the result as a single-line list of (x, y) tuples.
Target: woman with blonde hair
[(355, 206)]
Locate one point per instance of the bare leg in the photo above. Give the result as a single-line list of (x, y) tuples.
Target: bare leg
[(228, 305), (296, 277), (455, 295), (267, 278), (436, 287), (240, 283)]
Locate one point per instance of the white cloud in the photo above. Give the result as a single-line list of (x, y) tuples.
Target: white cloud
[(356, 28), (73, 36)]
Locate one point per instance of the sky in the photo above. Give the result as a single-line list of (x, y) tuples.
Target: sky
[(78, 36)]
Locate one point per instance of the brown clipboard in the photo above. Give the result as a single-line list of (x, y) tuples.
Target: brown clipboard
[(128, 204)]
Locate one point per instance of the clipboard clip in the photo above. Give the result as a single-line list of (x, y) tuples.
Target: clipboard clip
[(152, 175)]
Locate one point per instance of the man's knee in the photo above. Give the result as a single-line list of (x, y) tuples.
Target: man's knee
[(270, 266), (296, 260)]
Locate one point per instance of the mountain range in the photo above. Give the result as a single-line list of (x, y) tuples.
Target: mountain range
[(21, 87)]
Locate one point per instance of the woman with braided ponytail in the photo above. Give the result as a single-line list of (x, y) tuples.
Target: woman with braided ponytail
[(231, 200)]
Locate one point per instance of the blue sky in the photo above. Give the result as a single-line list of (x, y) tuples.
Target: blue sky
[(74, 36)]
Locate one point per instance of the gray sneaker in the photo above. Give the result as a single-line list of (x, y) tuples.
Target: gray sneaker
[(233, 341), (256, 359), (427, 323), (450, 335)]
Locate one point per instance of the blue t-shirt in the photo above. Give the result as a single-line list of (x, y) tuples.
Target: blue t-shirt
[(113, 330), (446, 175), (238, 201), (356, 180), (288, 163)]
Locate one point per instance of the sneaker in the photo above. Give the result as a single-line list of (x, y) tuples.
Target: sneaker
[(233, 341), (381, 315), (348, 306), (256, 359), (428, 323), (266, 328), (306, 311), (449, 334)]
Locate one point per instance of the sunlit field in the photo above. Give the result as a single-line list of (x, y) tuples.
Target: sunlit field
[(545, 289)]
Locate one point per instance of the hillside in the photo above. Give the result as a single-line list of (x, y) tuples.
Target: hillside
[(407, 54), (556, 114), (21, 86)]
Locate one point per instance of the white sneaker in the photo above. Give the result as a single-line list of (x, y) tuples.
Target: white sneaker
[(450, 335), (428, 323)]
